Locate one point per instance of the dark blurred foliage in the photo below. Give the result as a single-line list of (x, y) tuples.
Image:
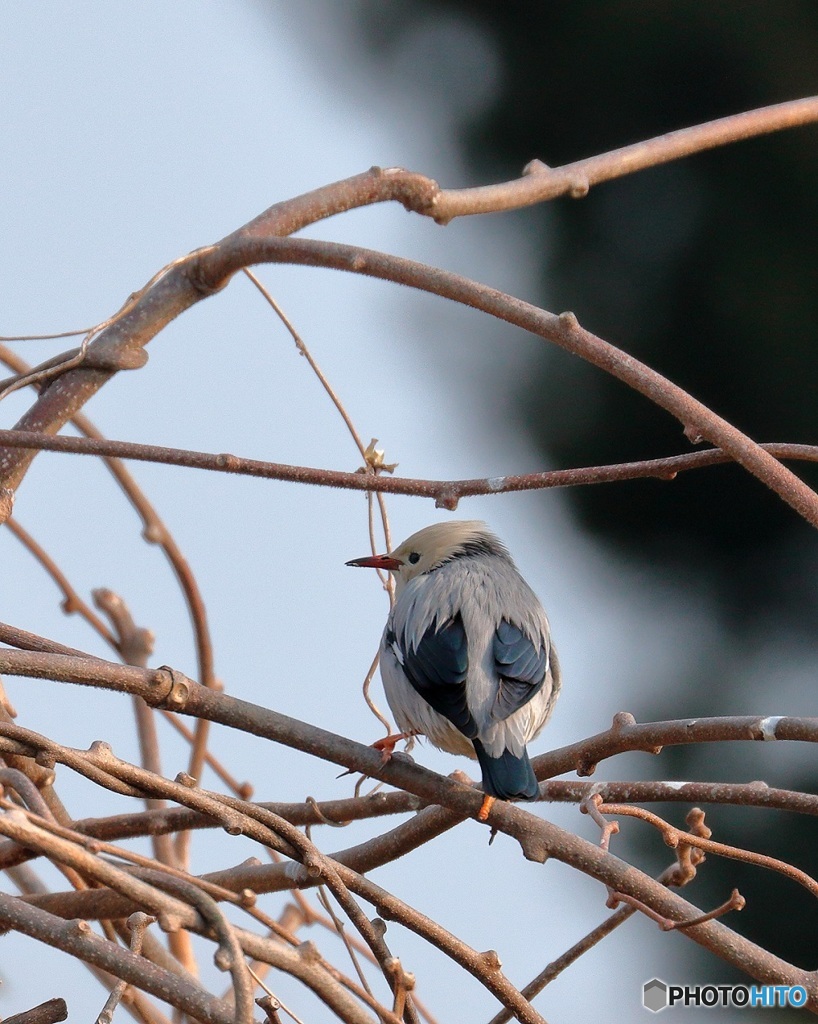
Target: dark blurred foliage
[(707, 269)]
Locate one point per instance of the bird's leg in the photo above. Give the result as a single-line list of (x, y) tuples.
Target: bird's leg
[(485, 807), (388, 743)]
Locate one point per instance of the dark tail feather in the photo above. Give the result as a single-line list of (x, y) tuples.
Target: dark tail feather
[(508, 777)]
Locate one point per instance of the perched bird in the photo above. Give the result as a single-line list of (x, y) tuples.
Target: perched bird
[(466, 655)]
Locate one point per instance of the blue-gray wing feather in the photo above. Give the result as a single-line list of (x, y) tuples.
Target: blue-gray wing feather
[(437, 668), (521, 667)]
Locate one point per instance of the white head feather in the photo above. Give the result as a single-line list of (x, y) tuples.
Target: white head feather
[(432, 546)]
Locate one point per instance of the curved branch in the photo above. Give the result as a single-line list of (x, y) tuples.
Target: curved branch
[(164, 686), (119, 343), (698, 421), (677, 837)]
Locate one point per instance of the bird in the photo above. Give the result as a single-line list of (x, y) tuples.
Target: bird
[(466, 656)]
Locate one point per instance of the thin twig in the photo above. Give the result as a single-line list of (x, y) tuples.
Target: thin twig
[(697, 420), (156, 532), (675, 837), (739, 794), (72, 602), (576, 179), (444, 492), (551, 971), (45, 337), (46, 371), (373, 460), (590, 805), (137, 923)]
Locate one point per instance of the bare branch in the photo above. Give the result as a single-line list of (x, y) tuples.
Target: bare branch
[(154, 531), (739, 794), (627, 734), (699, 422), (76, 938), (137, 923), (444, 492), (118, 343), (576, 179), (678, 837), (538, 839), (46, 1013)]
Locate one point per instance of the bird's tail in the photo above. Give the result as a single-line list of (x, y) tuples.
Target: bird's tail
[(508, 776)]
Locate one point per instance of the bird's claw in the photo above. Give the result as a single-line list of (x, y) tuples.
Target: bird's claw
[(387, 744)]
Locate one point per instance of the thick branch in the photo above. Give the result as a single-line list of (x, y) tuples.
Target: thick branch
[(539, 839), (627, 734), (46, 1013), (76, 938)]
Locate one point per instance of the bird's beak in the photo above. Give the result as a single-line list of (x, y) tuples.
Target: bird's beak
[(377, 562)]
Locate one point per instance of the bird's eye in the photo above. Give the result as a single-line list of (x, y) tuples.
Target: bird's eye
[(414, 558)]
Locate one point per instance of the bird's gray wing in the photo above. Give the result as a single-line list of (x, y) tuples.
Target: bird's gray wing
[(520, 666), (437, 668)]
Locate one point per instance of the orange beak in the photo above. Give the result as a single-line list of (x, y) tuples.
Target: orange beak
[(377, 562)]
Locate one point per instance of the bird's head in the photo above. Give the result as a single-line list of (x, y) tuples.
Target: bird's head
[(429, 548)]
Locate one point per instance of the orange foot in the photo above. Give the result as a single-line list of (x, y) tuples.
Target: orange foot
[(485, 807), (388, 743)]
